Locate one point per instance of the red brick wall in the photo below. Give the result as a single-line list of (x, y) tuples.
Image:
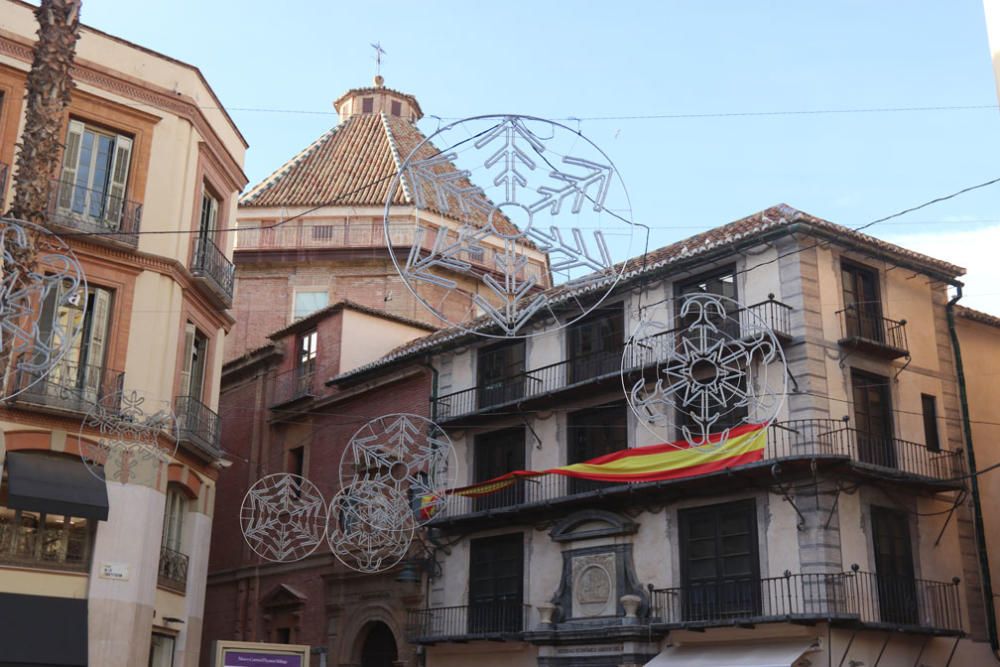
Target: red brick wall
[(232, 613)]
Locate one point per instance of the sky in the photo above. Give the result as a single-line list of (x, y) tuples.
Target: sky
[(717, 60)]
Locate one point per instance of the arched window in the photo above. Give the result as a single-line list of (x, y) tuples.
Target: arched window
[(379, 649)]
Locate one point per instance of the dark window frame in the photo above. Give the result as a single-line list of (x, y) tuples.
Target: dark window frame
[(509, 443), (895, 565), (874, 447), (862, 319), (609, 345), (583, 443), (499, 611), (496, 385), (367, 105), (932, 434)]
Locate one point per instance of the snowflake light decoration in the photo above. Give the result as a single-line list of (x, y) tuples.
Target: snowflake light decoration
[(407, 453), (120, 442), (358, 519), (42, 303), (552, 210), (283, 517), (718, 366)]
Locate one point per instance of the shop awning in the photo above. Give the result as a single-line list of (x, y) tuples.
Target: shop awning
[(777, 653), (40, 630), (54, 484)]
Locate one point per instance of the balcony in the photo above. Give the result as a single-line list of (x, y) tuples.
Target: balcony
[(198, 426), (213, 270), (72, 387), (94, 215), (872, 334), (792, 444), (603, 368), (173, 570), (495, 621), (293, 385), (865, 598)]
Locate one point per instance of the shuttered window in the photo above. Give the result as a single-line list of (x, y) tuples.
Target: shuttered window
[(94, 175)]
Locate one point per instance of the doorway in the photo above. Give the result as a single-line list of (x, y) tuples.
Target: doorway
[(379, 648)]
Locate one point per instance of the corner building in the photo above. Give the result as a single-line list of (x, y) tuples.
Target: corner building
[(94, 572), (851, 542)]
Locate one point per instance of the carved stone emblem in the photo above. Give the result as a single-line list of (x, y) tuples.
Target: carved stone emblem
[(594, 589)]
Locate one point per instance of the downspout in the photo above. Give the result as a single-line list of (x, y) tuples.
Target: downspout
[(970, 453)]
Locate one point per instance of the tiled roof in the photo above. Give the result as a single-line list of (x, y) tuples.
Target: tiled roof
[(355, 164), (977, 316), (726, 236)]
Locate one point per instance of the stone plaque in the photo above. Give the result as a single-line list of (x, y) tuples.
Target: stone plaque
[(594, 586)]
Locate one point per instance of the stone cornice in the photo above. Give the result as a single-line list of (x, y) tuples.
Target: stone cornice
[(91, 73)]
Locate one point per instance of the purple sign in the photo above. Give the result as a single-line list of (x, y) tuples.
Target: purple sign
[(253, 659)]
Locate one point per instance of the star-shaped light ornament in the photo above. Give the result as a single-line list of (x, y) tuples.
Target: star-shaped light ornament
[(371, 526), (283, 517), (43, 295), (410, 455), (700, 366)]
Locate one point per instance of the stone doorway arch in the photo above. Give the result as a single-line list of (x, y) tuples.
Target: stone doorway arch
[(378, 646)]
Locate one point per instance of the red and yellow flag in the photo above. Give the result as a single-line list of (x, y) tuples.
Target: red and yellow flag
[(675, 460)]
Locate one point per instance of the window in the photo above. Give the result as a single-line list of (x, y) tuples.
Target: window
[(282, 635), (500, 373), (893, 549), (40, 538), (862, 305), (161, 651), (367, 104), (173, 518), (873, 419), (94, 173), (209, 218), (596, 344), (496, 579), (297, 461), (592, 433), (195, 362), (307, 302), (306, 361), (81, 369), (931, 439), (396, 108), (495, 454), (720, 567), (718, 283)]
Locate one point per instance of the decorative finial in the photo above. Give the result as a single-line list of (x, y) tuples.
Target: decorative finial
[(379, 81), (379, 52)]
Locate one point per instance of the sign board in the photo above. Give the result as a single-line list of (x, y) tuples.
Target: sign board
[(118, 571), (253, 654)]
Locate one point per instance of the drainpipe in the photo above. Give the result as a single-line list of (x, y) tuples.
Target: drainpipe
[(970, 452)]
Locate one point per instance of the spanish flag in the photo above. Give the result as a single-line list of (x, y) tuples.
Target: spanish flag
[(655, 463)]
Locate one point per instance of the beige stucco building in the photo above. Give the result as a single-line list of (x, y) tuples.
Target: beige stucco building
[(108, 573), (851, 542)]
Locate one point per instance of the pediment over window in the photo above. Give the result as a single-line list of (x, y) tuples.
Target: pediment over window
[(591, 524), (283, 596)]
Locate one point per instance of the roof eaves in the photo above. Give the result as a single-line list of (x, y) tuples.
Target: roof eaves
[(270, 181)]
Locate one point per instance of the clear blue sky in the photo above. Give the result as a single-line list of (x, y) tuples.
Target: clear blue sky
[(586, 59)]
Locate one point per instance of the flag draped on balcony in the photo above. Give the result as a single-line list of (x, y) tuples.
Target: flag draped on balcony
[(674, 460)]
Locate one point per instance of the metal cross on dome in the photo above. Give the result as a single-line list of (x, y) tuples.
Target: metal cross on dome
[(510, 208), (702, 367)]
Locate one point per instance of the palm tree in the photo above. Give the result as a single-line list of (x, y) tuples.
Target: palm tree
[(47, 96)]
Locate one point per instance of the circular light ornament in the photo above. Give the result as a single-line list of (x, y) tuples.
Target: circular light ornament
[(548, 209), (121, 439), (283, 517), (407, 453), (43, 299), (707, 366), (371, 526)]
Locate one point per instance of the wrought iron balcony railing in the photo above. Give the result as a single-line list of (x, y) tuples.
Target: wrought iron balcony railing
[(796, 439), (70, 386), (173, 570), (96, 213), (198, 425), (293, 385), (579, 370), (865, 330), (487, 620), (865, 597), (211, 264)]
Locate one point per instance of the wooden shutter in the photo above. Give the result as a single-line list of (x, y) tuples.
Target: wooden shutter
[(188, 358), (117, 182), (71, 159), (100, 316)]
